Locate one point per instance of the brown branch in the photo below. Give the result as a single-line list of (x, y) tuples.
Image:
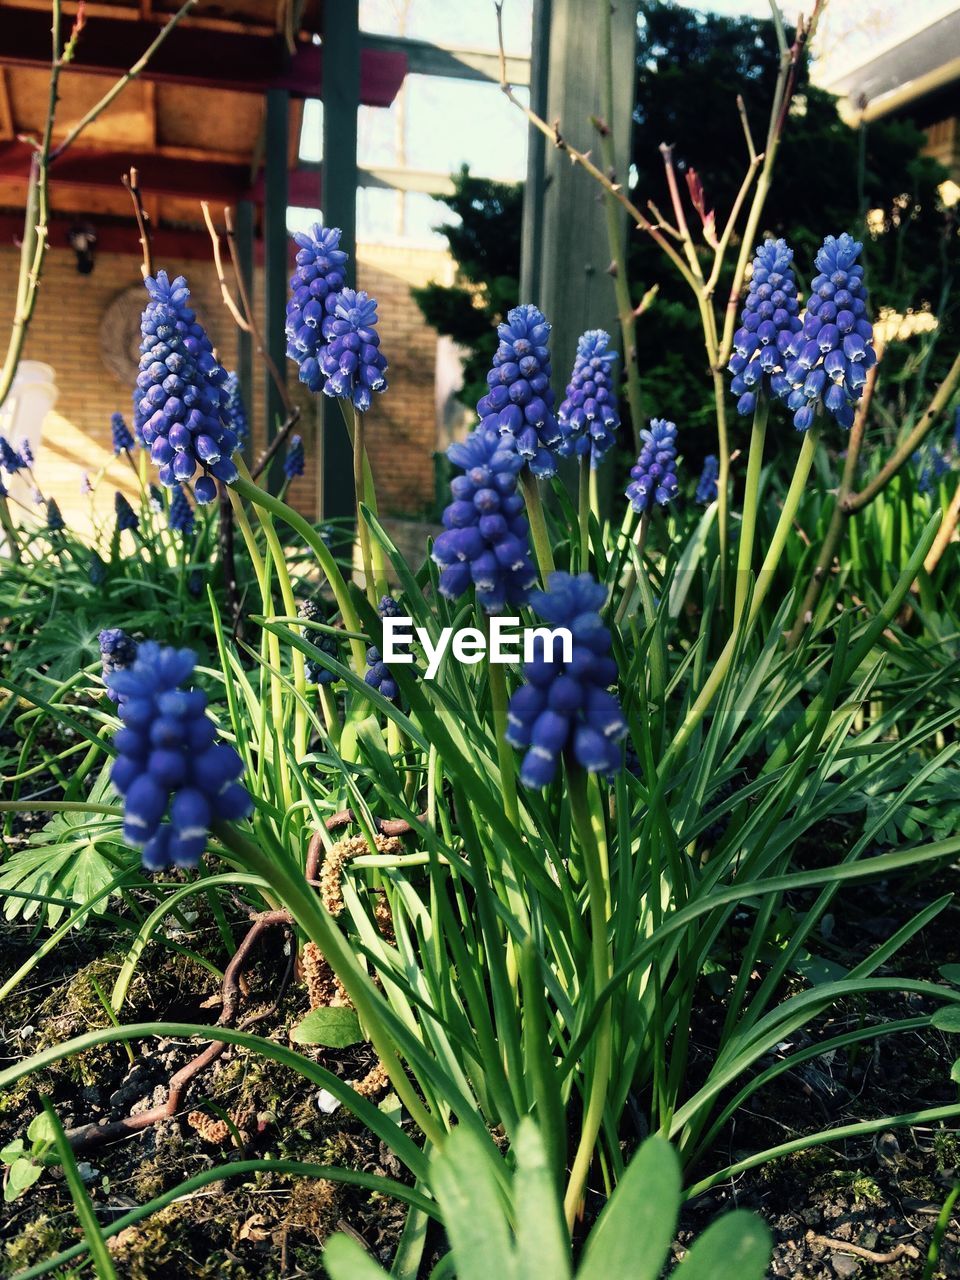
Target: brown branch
[(254, 329), (582, 158), (131, 181), (261, 464), (240, 321), (95, 1135), (858, 1251), (343, 818)]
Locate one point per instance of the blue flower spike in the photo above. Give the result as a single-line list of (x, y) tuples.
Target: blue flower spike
[(378, 673), (653, 479), (564, 710), (352, 363), (169, 764), (833, 352), (314, 289), (707, 484), (295, 461), (484, 543), (588, 415), (120, 435), (126, 516), (520, 400), (768, 322), (182, 397), (181, 517)]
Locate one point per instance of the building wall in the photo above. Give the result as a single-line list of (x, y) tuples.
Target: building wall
[(65, 333)]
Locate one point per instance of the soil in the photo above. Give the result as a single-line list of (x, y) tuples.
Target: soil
[(881, 1195)]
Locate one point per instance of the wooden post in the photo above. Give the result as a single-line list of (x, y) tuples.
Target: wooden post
[(341, 96), (531, 237), (573, 257), (275, 261)]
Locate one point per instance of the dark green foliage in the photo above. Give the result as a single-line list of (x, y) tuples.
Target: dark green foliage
[(486, 247), (827, 177)]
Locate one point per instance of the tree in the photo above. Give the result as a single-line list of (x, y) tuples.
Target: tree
[(485, 244)]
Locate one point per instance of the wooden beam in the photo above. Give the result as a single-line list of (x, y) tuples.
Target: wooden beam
[(161, 175), (195, 56), (7, 129), (450, 61), (341, 49)]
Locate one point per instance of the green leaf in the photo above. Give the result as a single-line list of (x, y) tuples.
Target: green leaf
[(543, 1246), (332, 1028), (947, 1019), (951, 972), (464, 1181), (41, 1130), (344, 1259), (735, 1247), (23, 1174), (12, 1152), (86, 1214), (955, 1072), (634, 1230)]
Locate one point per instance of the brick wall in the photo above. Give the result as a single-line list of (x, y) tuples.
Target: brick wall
[(65, 333)]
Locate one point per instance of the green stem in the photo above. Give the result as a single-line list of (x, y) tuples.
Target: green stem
[(290, 606), (631, 579), (583, 502), (10, 529), (750, 498), (497, 683), (764, 582), (538, 524), (601, 968), (360, 490), (246, 488)]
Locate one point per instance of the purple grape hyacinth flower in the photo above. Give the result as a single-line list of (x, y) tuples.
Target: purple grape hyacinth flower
[(169, 764), (484, 542), (565, 709), (653, 479), (314, 289), (707, 484), (234, 411), (352, 363), (26, 453), (182, 395), (588, 415), (768, 321), (520, 400), (295, 461), (181, 518), (10, 460), (117, 652), (833, 351), (378, 673), (126, 516), (120, 434), (55, 522)]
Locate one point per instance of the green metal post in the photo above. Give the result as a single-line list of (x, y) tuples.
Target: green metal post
[(275, 260), (341, 97)]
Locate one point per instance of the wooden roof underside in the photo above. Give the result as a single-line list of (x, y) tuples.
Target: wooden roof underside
[(193, 123)]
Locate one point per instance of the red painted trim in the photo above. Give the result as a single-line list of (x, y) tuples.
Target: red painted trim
[(195, 56)]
